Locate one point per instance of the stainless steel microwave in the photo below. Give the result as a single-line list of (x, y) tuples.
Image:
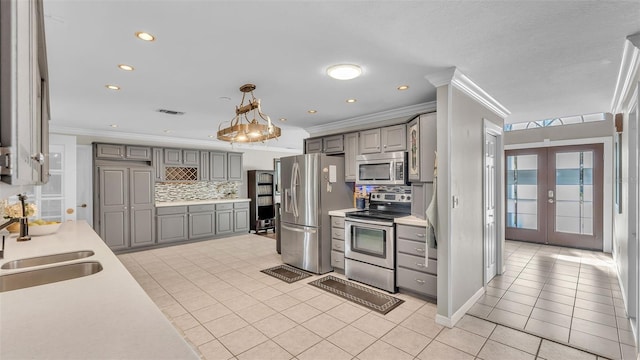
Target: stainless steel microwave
[(382, 169)]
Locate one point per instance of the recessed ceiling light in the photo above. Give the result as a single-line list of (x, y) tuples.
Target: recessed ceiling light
[(283, 119), (351, 101), (112, 87), (403, 87), (211, 136), (312, 111), (125, 67), (344, 71), (167, 131), (114, 125), (145, 36), (225, 98)]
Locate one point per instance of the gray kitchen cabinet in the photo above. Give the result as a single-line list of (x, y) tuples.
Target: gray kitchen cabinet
[(172, 156), (24, 104), (417, 264), (234, 171), (337, 242), (224, 218), (394, 138), (217, 166), (203, 170), (172, 224), (241, 217), (122, 152), (190, 157), (126, 206), (156, 162), (202, 221), (333, 144), (313, 146), (369, 141), (110, 151), (138, 153), (350, 153), (421, 141), (386, 139)]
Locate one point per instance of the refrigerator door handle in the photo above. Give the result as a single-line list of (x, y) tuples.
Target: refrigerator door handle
[(287, 200), (311, 231), (295, 178)]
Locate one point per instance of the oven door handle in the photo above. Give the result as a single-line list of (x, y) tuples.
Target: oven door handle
[(368, 222)]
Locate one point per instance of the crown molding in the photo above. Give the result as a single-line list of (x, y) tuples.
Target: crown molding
[(157, 140), (369, 120), (453, 76), (628, 75)]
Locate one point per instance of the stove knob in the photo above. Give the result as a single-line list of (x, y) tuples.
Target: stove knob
[(408, 197), (402, 197)]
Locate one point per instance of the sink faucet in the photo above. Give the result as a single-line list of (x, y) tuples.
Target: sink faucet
[(4, 233)]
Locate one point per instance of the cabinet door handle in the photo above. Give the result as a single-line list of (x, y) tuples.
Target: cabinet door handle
[(419, 235), (124, 207), (420, 265), (419, 249), (420, 281)]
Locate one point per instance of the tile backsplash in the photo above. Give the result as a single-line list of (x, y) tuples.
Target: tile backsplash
[(199, 190)]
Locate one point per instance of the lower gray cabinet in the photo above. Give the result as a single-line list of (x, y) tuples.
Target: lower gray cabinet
[(224, 220), (417, 264), (337, 242), (202, 221), (241, 217), (172, 224)]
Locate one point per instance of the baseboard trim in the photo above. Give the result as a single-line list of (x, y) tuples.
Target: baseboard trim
[(453, 320)]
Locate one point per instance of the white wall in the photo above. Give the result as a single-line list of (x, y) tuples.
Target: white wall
[(460, 174), (258, 160)]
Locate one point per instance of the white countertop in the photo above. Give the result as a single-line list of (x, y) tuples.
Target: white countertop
[(341, 212), (410, 220), (199, 202), (106, 315)]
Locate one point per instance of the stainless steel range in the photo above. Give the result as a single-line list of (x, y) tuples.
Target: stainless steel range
[(370, 239)]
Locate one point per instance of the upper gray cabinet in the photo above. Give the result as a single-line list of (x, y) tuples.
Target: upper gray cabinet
[(158, 170), (313, 146), (350, 153), (386, 139), (234, 161), (123, 152), (394, 138), (217, 166), (191, 157), (204, 166), (24, 94), (173, 156), (370, 141), (421, 138), (333, 144)]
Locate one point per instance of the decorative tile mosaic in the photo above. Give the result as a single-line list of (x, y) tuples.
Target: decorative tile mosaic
[(199, 190)]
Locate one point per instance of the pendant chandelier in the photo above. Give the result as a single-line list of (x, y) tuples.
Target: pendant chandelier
[(243, 129)]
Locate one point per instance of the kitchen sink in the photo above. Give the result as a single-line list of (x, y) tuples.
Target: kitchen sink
[(48, 275), (48, 259)]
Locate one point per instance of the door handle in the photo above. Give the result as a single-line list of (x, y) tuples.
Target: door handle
[(551, 201), (311, 231)]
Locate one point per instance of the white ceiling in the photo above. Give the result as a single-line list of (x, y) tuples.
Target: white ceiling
[(539, 59)]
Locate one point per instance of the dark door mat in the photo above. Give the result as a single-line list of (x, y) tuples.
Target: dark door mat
[(286, 273), (358, 294)]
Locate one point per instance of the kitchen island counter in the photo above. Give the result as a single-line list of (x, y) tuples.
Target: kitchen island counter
[(199, 202), (106, 315)]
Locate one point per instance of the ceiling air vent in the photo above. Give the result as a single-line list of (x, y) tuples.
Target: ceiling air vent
[(170, 112)]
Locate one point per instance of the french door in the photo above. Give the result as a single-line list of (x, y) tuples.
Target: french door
[(554, 195)]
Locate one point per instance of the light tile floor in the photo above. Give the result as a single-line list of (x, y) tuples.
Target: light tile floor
[(215, 295), (566, 295)]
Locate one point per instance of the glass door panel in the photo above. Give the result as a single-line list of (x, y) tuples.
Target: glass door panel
[(525, 186), (575, 196)]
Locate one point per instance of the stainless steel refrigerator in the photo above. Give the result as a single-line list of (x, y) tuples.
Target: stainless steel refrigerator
[(313, 185)]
